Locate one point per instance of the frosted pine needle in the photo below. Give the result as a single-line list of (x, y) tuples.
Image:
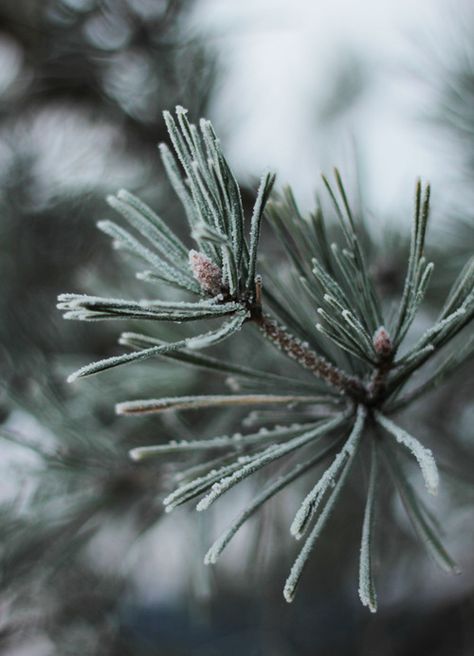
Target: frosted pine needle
[(219, 545), (423, 455), (311, 503), (367, 592), (299, 564), (269, 455)]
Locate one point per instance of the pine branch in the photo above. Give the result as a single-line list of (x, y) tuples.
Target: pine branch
[(329, 321)]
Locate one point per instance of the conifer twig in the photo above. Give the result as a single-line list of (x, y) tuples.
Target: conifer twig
[(327, 318)]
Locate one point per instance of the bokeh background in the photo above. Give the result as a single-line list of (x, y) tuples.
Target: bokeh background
[(88, 564)]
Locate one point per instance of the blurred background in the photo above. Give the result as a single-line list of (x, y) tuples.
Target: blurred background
[(384, 89)]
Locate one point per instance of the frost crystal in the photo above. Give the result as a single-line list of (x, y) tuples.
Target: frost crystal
[(208, 274), (423, 455)]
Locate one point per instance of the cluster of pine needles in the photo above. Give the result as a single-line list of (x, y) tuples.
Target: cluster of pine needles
[(356, 355)]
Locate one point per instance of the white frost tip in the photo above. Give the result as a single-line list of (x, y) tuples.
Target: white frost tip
[(123, 194), (368, 604), (211, 557), (136, 454), (288, 594), (208, 274), (203, 505)]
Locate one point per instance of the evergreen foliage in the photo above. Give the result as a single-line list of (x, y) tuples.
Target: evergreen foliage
[(357, 352)]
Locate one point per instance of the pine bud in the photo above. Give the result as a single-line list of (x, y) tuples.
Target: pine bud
[(208, 274), (382, 342)]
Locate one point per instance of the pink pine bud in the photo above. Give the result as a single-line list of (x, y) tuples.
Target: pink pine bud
[(208, 274), (382, 342)]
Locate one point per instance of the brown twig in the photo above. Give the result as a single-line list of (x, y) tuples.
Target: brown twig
[(309, 359)]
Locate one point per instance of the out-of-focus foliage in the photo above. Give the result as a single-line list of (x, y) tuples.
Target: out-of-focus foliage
[(449, 74), (82, 86), (81, 89)]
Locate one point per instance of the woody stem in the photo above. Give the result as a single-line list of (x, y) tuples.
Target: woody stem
[(378, 382), (309, 359)]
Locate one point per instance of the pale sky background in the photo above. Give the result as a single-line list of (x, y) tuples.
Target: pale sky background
[(280, 59)]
